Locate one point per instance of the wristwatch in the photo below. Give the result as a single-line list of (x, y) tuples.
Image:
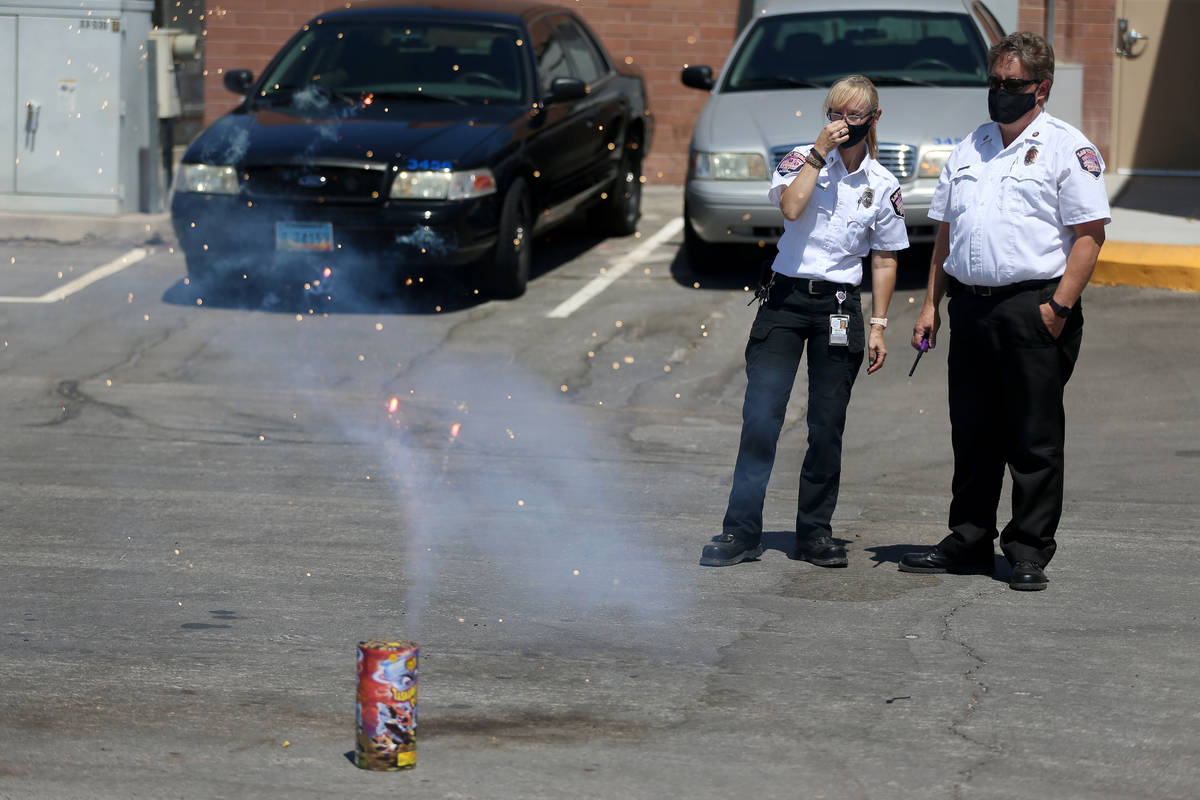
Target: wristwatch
[(1060, 310)]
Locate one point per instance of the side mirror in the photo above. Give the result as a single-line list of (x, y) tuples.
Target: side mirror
[(563, 89), (239, 81), (697, 76)]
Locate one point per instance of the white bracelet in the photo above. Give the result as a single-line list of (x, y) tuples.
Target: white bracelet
[(880, 321)]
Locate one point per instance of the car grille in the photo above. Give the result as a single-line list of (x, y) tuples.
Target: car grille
[(362, 183), (900, 159)]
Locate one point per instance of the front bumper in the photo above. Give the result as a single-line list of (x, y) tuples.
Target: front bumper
[(738, 212), (395, 237)]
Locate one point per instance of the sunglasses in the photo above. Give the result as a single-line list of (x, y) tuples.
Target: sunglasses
[(1010, 84)]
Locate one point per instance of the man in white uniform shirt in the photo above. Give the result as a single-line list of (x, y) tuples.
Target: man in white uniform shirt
[(1022, 207)]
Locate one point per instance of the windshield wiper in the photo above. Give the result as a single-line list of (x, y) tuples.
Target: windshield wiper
[(285, 94), (898, 80), (785, 79), (433, 98)]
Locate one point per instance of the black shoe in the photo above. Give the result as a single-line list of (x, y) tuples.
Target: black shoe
[(1028, 576), (820, 550), (937, 561), (727, 550)]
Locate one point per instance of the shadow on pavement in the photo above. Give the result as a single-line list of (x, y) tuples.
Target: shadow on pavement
[(1177, 196)]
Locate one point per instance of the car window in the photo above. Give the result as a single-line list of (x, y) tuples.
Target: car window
[(890, 47), (472, 63), (584, 53), (550, 51)]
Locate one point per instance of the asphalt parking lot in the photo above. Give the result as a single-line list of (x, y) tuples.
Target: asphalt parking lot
[(208, 506)]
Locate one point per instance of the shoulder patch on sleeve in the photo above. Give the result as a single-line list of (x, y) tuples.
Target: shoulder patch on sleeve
[(1089, 160), (791, 163), (897, 203)]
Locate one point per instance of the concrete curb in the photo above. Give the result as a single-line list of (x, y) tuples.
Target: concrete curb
[(1163, 266)]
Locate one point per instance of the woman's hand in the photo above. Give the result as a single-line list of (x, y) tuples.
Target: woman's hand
[(832, 135), (876, 349)]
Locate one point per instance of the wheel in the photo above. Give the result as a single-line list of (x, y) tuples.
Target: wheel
[(623, 208), (935, 63), (199, 269), (508, 271)]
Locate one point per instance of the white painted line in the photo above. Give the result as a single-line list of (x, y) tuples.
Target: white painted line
[(615, 270), (83, 281)]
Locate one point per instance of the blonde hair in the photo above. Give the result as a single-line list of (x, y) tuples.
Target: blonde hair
[(849, 89)]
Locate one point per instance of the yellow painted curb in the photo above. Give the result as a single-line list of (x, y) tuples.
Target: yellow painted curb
[(1166, 266)]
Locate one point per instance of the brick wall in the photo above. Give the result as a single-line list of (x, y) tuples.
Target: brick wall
[(660, 37), (1085, 32), (656, 36)]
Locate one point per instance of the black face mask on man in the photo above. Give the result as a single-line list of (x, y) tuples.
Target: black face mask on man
[(856, 133), (1005, 106)]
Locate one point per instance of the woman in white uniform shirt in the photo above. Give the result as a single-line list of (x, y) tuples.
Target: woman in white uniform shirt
[(839, 204)]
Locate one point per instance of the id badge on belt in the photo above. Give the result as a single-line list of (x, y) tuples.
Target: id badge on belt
[(839, 324)]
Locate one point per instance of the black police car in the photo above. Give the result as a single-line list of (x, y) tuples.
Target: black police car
[(409, 140)]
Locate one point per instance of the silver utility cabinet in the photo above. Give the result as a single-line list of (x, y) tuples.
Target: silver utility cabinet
[(74, 95)]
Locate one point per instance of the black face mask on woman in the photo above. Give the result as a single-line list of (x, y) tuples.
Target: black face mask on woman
[(856, 134), (1005, 107)]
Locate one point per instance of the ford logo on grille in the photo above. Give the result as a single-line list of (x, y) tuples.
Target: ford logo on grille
[(311, 181)]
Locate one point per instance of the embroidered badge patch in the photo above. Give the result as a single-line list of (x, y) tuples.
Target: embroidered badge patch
[(1089, 160), (897, 203), (1031, 155), (791, 163)]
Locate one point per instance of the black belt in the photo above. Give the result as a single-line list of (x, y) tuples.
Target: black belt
[(814, 286), (999, 291)]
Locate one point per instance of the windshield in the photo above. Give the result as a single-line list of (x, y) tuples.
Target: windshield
[(892, 48), (427, 61)]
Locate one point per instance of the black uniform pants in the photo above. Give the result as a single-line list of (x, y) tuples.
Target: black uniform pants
[(1007, 375), (791, 320)]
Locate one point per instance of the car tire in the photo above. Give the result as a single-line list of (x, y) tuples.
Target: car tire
[(508, 273), (623, 207), (200, 269)]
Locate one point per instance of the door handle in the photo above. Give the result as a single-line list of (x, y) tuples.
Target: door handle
[(33, 115), (1127, 37)]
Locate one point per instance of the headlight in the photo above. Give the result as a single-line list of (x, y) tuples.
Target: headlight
[(932, 162), (729, 166), (442, 185), (206, 179)]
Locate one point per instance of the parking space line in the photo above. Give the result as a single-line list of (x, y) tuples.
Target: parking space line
[(83, 281), (615, 270)]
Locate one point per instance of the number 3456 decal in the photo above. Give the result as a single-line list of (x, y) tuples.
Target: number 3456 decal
[(425, 163)]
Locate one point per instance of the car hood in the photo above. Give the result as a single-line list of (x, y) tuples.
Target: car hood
[(763, 121), (457, 134)]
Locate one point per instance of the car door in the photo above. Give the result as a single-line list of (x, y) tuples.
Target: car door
[(605, 108), (564, 148)]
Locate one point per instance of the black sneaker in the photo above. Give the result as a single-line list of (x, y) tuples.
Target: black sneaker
[(727, 550), (820, 550)]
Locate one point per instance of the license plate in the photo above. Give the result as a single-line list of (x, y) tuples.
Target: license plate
[(308, 237)]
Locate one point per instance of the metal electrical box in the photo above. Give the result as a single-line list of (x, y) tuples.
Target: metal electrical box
[(74, 105)]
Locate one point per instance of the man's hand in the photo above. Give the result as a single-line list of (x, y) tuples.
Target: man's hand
[(926, 327), (1053, 322)]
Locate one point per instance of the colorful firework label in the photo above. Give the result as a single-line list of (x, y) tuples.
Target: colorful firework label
[(387, 705)]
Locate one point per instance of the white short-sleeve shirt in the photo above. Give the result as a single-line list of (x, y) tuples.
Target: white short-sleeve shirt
[(849, 215), (1011, 208)]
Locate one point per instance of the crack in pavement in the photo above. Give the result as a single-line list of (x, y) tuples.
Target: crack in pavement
[(956, 726)]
